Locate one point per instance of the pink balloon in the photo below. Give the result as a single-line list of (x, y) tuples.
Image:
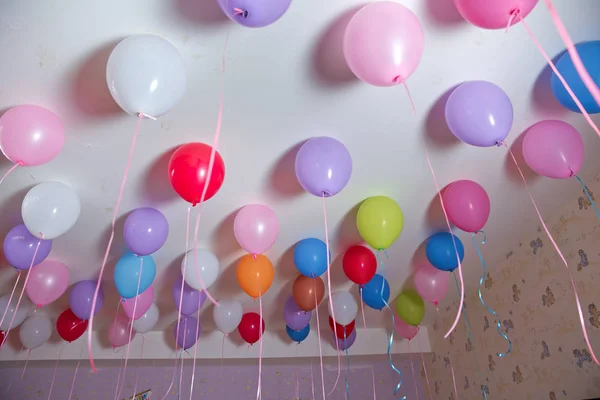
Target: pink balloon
[(553, 149), (431, 283), (118, 332), (255, 228), (467, 205), (383, 43), (31, 135), (144, 301), (403, 329), (47, 282), (493, 14)]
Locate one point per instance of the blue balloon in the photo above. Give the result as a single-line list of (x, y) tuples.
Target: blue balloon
[(127, 274), (441, 253), (310, 257), (589, 52), (298, 336), (372, 294)]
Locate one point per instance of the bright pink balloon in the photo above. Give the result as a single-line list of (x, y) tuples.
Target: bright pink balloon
[(144, 301), (467, 205), (47, 282), (383, 43), (553, 149), (403, 329), (255, 228), (31, 135), (118, 332), (493, 14), (431, 283)]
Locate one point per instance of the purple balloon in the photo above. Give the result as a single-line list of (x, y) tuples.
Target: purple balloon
[(81, 298), (192, 299), (295, 318), (19, 248), (479, 113), (189, 332), (254, 13), (323, 166), (345, 344), (146, 230)]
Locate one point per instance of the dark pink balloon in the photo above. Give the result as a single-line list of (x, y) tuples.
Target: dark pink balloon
[(467, 205)]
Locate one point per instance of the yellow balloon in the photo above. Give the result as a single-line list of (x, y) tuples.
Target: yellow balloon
[(379, 221)]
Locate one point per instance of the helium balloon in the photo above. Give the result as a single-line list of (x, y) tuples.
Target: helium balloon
[(256, 228), (379, 221), (69, 327), (308, 292), (188, 172), (323, 166), (146, 322), (383, 43), (310, 257), (47, 282), (200, 267), (467, 205), (146, 230), (298, 336), (146, 74), (405, 330), (2, 338), (118, 331), (127, 274), (50, 209), (251, 327), (188, 333), (494, 14), (553, 149), (227, 315), (345, 344), (191, 300), (255, 274), (441, 251), (16, 316), (359, 264), (81, 297), (137, 306), (376, 292), (341, 330), (410, 307), (35, 331), (479, 113), (431, 283), (31, 135), (254, 13), (344, 307), (20, 246), (294, 316)]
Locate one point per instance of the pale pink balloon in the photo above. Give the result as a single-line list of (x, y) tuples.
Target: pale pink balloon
[(553, 149), (494, 14), (383, 43), (118, 332), (256, 228), (431, 283), (47, 282), (144, 301), (31, 135), (467, 205), (403, 329)]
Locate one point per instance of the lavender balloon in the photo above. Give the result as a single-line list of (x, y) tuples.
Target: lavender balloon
[(323, 166), (345, 344), (479, 113), (254, 13), (192, 299), (189, 332), (146, 230), (81, 297), (294, 317), (19, 248)]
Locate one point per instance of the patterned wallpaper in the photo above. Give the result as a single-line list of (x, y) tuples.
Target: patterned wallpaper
[(532, 294)]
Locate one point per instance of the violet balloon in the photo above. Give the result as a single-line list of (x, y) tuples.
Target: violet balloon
[(403, 329), (323, 166), (345, 344), (467, 205), (47, 282), (188, 334), (146, 230), (256, 228), (81, 297), (137, 306), (295, 317), (20, 246), (192, 299), (431, 283), (254, 13)]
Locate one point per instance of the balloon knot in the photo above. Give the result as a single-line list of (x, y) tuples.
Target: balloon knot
[(239, 11), (255, 256), (435, 303), (398, 80), (39, 306), (326, 193)]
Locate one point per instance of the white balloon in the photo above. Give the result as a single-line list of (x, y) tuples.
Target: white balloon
[(24, 307), (227, 315), (35, 331), (206, 268), (344, 306), (50, 209), (146, 74), (146, 322)]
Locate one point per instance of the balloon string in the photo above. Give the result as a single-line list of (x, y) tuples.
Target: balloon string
[(460, 274), (412, 103), (197, 336), (10, 298), (260, 346), (54, 374), (74, 378), (362, 310), (588, 195), (26, 362), (312, 379), (297, 373), (449, 360), (137, 375), (347, 366), (373, 378), (412, 367), (511, 19), (319, 340), (118, 378), (424, 367), (19, 164), (182, 361), (560, 77)]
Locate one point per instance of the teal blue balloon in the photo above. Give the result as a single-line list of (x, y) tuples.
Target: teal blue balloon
[(298, 336), (127, 274)]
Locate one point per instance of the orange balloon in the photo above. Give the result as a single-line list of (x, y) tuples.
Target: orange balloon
[(304, 292), (255, 274)]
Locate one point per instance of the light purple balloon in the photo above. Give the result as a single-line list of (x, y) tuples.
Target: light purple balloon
[(323, 166), (81, 297), (254, 13), (345, 344), (189, 332), (19, 248), (294, 317), (146, 230), (192, 299), (479, 113)]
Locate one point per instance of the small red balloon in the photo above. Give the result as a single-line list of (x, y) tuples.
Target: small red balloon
[(341, 328), (69, 327), (250, 327), (188, 170), (360, 264), (2, 336)]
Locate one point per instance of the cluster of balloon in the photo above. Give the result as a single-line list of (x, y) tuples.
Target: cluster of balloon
[(343, 314), (254, 13), (73, 322), (251, 327), (297, 321)]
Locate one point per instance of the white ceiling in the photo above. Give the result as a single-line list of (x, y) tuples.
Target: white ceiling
[(283, 84)]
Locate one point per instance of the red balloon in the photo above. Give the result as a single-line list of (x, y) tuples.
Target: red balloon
[(69, 327), (360, 264), (341, 328), (249, 327), (188, 170), (2, 336)]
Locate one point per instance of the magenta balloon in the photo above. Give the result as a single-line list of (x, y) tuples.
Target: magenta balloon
[(494, 14), (467, 205), (47, 282), (144, 301), (20, 246), (553, 149), (431, 283), (254, 13), (403, 329), (81, 297), (146, 230), (256, 228), (118, 332)]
